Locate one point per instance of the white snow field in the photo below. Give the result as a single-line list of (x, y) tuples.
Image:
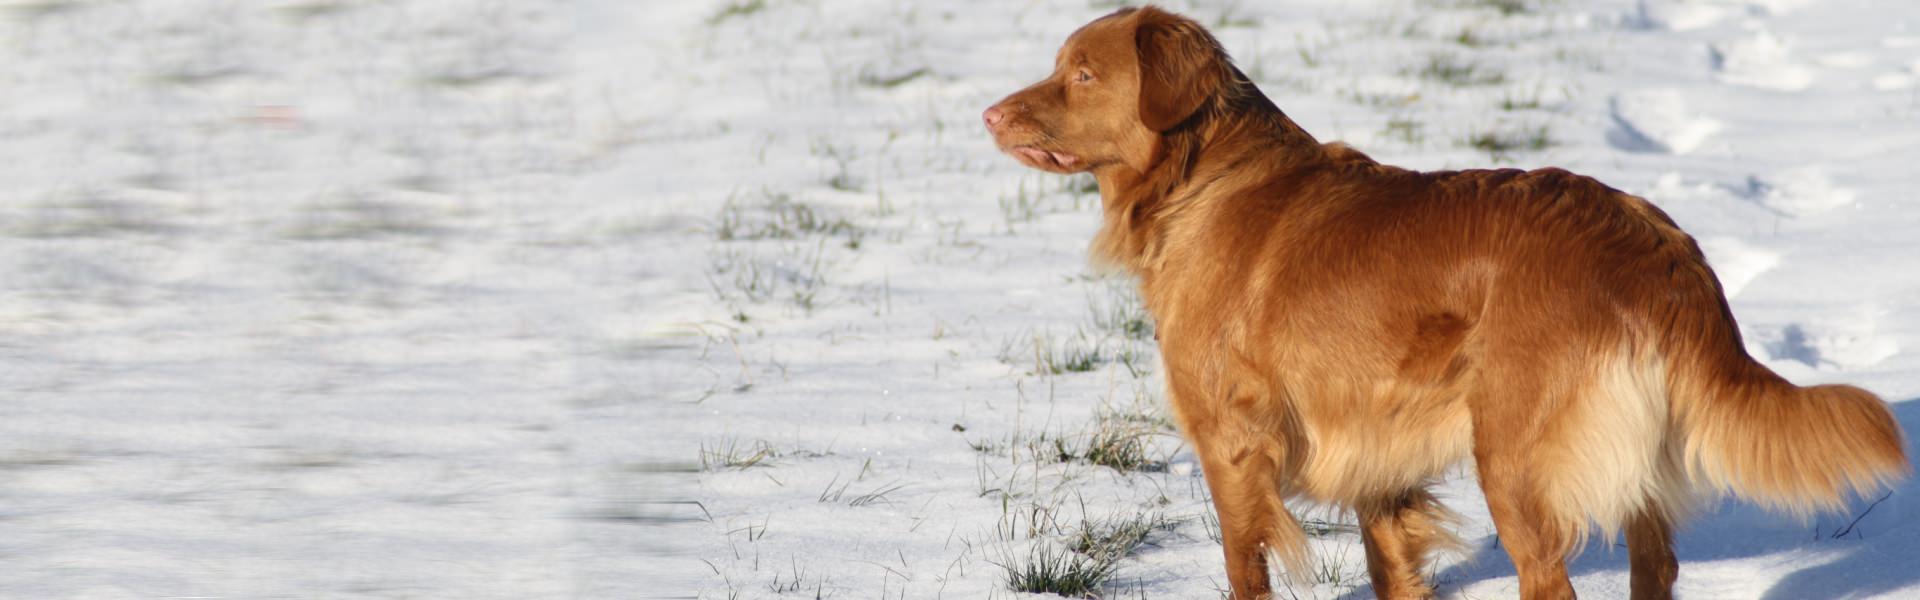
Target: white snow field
[(617, 299)]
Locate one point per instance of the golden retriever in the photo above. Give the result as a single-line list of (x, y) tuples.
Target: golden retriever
[(1343, 330)]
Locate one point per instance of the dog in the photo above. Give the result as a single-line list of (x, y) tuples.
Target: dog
[(1345, 331)]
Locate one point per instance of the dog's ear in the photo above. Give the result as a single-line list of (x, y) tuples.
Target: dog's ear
[(1179, 67)]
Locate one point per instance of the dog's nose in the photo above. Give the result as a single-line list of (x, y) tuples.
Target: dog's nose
[(993, 116)]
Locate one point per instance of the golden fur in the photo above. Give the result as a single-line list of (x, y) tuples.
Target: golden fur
[(1343, 330)]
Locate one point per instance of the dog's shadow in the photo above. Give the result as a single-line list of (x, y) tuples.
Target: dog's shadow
[(1832, 556)]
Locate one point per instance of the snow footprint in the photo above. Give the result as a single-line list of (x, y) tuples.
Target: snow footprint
[(1736, 262), (1687, 16), (1657, 121), (1674, 16), (1898, 80), (1761, 60), (1771, 8), (1843, 342), (1801, 192)]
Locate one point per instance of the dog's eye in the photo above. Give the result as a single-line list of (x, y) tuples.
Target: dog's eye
[(1083, 77)]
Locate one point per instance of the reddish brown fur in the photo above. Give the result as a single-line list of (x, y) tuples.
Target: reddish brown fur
[(1344, 330)]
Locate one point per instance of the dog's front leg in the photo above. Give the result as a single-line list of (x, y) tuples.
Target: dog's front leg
[(1243, 464)]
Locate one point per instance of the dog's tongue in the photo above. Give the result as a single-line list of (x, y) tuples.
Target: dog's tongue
[(1065, 160)]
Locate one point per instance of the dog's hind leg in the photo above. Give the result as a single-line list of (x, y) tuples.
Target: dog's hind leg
[(1513, 427), (1650, 548), (1535, 537), (1398, 532)]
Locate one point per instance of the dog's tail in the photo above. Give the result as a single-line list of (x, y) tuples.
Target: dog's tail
[(1747, 431)]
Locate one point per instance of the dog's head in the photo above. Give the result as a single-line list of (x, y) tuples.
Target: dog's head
[(1118, 84)]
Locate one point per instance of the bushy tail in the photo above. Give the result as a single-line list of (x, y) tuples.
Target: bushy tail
[(1798, 449)]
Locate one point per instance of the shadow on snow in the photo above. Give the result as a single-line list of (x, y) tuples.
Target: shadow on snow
[(1880, 554)]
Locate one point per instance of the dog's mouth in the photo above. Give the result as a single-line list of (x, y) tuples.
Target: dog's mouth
[(1045, 159)]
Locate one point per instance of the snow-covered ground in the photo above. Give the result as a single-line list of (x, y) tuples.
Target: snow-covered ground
[(611, 299)]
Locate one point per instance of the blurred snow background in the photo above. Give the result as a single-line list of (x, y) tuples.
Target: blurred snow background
[(611, 299)]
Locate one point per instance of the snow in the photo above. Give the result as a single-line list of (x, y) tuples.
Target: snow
[(1658, 120), (477, 299)]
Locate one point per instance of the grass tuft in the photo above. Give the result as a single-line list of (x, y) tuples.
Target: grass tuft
[(1512, 103), (1499, 144), (741, 276), (1021, 207), (1051, 569), (1506, 8), (1455, 71), (1115, 536), (779, 217), (1059, 355), (1118, 440), (736, 9), (835, 495), (1404, 129), (1121, 313), (871, 79), (732, 454), (1468, 38), (1114, 443), (1081, 566), (842, 157)]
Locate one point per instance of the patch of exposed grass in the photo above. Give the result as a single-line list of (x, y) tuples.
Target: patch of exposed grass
[(1452, 70), (842, 157), (739, 276), (1500, 144), (777, 216), (732, 454), (1229, 19), (37, 459), (795, 579), (1119, 336), (1380, 99), (1120, 441), (1121, 313), (1114, 443), (1506, 8), (1021, 207), (1083, 184), (1308, 56), (1404, 129), (1052, 569), (313, 9), (872, 79), (1511, 102), (1315, 528), (1056, 355), (1081, 562), (30, 10), (1332, 569), (1468, 38), (836, 495), (737, 9), (1114, 536), (1210, 521)]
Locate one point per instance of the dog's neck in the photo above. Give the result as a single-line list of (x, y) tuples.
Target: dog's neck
[(1237, 129)]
